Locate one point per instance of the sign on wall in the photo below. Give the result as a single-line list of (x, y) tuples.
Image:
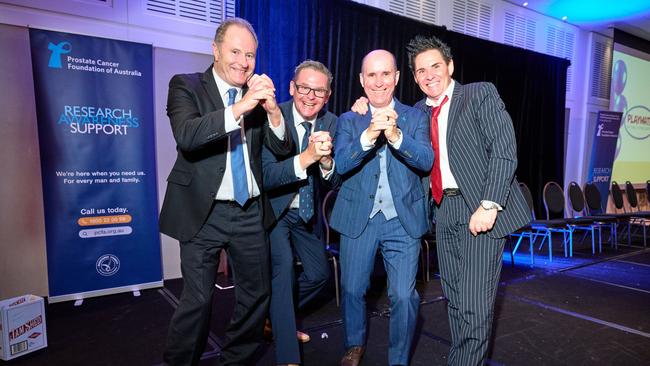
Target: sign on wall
[(603, 150), (94, 102)]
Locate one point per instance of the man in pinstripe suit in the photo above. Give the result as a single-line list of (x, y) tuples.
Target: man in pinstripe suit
[(475, 196), (382, 158)]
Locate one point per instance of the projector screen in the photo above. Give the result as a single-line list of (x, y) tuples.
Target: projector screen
[(630, 94)]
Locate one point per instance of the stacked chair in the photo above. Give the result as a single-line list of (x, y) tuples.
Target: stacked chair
[(554, 204), (579, 208), (634, 217), (526, 231)]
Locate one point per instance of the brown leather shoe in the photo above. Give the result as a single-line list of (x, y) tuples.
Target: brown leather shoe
[(352, 356)]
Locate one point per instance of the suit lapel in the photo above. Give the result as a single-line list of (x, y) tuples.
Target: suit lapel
[(290, 124), (453, 117), (211, 86)]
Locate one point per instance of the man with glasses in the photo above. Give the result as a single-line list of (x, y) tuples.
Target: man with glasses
[(296, 186)]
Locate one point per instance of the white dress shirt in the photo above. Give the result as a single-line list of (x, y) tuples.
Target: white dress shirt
[(300, 172), (367, 144), (225, 191), (448, 180)]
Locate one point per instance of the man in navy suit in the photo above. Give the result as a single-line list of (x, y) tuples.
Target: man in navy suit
[(214, 200), (295, 187), (475, 196), (382, 158)]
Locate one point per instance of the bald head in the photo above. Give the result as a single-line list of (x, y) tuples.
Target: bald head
[(379, 54), (378, 77)]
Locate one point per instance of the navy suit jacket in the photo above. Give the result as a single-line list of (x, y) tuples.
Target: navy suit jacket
[(482, 153), (280, 179), (196, 113), (360, 170)]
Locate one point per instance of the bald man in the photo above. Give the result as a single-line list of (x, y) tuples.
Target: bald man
[(381, 205)]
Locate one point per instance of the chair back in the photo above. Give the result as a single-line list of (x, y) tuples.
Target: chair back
[(529, 198), (576, 199), (617, 196), (553, 200), (326, 207), (630, 191), (593, 198)]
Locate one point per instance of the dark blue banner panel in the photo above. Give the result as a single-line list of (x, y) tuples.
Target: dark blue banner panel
[(94, 101), (603, 149)]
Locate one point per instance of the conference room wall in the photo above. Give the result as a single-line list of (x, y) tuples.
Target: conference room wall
[(23, 264)]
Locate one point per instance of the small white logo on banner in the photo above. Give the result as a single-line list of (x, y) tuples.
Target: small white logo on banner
[(107, 265)]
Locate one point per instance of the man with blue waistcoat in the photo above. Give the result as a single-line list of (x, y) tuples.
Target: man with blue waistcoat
[(382, 157)]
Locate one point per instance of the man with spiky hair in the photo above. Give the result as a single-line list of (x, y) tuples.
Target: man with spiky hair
[(475, 196)]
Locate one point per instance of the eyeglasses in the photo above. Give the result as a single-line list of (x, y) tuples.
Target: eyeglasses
[(305, 90)]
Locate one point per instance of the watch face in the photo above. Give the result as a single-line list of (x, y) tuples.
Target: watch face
[(487, 205)]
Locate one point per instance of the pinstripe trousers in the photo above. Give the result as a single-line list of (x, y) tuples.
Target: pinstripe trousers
[(400, 253), (470, 267)]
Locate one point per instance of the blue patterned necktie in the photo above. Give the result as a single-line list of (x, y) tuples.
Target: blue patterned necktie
[(306, 206), (237, 165)]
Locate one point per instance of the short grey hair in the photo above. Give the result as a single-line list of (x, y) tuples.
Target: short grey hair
[(223, 27), (314, 65)]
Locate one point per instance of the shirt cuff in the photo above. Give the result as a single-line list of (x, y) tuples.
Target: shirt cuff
[(397, 142), (366, 144), (328, 175), (279, 131), (230, 123), (300, 172)]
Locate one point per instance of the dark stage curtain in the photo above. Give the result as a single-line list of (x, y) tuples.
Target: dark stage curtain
[(339, 33)]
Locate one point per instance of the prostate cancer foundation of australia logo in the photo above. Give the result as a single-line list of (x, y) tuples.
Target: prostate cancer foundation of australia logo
[(107, 265), (57, 50)]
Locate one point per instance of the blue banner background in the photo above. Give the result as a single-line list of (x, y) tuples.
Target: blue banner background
[(603, 149), (94, 100)]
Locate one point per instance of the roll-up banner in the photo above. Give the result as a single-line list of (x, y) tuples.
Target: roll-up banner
[(94, 102), (603, 150)]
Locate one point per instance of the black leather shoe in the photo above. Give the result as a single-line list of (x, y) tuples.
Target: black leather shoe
[(352, 356)]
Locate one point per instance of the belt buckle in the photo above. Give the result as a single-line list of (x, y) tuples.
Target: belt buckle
[(451, 192)]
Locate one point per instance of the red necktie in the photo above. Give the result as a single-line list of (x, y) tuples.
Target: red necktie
[(436, 176)]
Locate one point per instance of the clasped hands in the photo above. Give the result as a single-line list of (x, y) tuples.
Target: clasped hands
[(260, 91), (383, 120), (319, 149)]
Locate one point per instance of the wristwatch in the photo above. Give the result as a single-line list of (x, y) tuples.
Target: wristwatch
[(489, 205)]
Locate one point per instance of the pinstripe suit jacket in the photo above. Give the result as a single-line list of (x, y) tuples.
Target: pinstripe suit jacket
[(483, 153), (360, 171)]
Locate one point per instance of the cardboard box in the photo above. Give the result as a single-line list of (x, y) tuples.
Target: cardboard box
[(22, 326)]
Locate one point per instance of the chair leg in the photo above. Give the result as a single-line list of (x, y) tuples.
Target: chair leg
[(532, 258), (337, 283), (550, 247), (593, 244)]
